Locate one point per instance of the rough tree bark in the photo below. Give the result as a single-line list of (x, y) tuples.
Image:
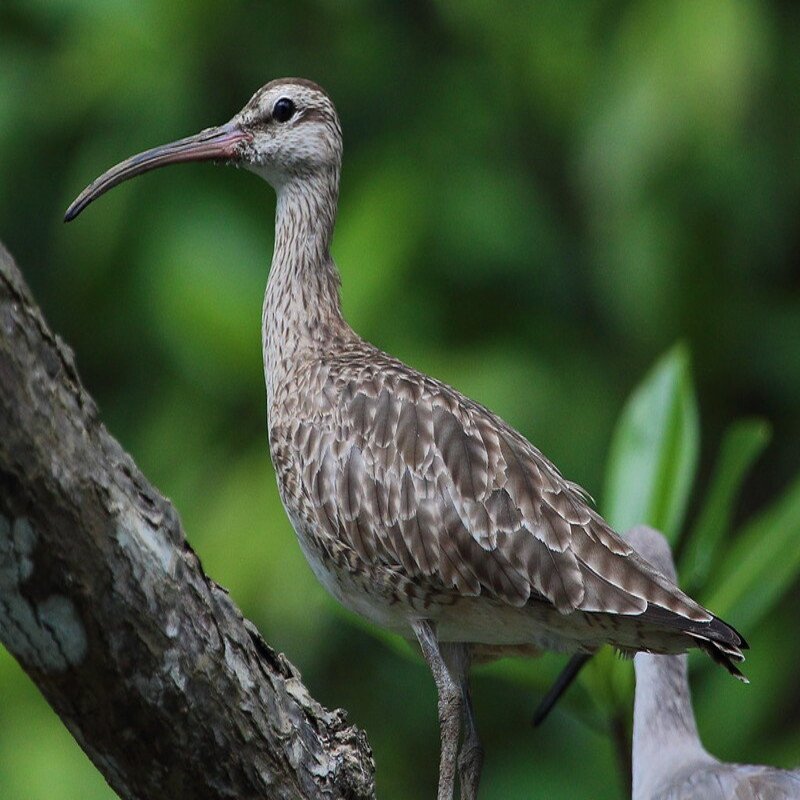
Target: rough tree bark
[(150, 665)]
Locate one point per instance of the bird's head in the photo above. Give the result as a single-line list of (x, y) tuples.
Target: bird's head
[(294, 131), (288, 131)]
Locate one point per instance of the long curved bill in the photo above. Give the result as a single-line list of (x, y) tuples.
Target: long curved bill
[(212, 144)]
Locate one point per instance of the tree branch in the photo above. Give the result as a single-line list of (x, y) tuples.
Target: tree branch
[(150, 665)]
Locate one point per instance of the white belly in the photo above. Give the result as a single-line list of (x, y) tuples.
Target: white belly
[(476, 620)]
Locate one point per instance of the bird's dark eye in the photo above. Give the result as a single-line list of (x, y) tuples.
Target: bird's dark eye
[(283, 110)]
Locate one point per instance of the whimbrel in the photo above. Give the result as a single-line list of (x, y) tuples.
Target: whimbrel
[(415, 506), (669, 761)]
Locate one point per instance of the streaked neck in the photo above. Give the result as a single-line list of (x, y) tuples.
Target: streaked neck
[(302, 306)]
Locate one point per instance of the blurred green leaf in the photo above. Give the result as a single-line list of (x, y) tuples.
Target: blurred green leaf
[(589, 699), (744, 441), (609, 680), (762, 563), (654, 449)]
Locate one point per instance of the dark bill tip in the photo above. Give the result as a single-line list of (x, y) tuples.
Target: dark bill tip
[(212, 144)]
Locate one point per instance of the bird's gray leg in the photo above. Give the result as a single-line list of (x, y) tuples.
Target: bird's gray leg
[(470, 757), (450, 706)]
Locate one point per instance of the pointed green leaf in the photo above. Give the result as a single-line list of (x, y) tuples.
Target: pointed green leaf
[(654, 450), (762, 563), (744, 441)]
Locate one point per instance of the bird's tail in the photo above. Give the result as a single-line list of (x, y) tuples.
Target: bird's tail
[(721, 641), (724, 644)]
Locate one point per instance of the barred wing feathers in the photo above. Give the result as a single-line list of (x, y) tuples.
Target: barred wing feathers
[(414, 476)]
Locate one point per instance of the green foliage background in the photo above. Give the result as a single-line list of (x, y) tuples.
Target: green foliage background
[(539, 199)]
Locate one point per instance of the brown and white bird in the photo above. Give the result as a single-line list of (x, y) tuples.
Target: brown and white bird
[(415, 506), (669, 760)]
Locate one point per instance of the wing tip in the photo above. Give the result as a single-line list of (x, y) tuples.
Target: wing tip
[(724, 644)]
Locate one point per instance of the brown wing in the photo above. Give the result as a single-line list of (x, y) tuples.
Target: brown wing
[(412, 475)]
